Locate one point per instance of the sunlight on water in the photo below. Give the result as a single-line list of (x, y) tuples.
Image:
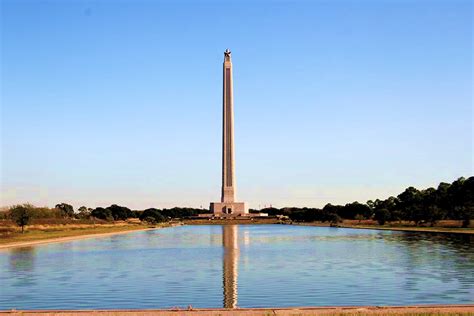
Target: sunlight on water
[(240, 266)]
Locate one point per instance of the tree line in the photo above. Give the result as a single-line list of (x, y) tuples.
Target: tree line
[(24, 214), (453, 201)]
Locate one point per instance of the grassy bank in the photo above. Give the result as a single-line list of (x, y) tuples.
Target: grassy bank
[(345, 224), (450, 228), (37, 233), (396, 227), (417, 229), (66, 231)]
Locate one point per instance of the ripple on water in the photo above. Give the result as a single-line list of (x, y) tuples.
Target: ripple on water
[(272, 265)]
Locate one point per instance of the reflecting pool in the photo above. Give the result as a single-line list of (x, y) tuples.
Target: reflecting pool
[(240, 266)]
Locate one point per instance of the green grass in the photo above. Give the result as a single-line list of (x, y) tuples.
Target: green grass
[(65, 231)]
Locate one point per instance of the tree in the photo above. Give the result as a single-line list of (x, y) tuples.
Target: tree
[(434, 214), (120, 212), (153, 213), (66, 209), (351, 210), (21, 216), (370, 204), (150, 220), (429, 206), (381, 216), (102, 213), (330, 209), (442, 196), (84, 212), (409, 204), (396, 215), (466, 213), (334, 219), (180, 212)]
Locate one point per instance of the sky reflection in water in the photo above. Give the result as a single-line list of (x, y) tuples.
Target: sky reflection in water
[(244, 266)]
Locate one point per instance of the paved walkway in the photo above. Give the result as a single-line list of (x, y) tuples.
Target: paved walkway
[(306, 311)]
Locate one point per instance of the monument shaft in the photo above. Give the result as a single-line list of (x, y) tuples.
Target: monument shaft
[(228, 205), (228, 166)]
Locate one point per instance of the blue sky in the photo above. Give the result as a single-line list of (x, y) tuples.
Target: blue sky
[(335, 101)]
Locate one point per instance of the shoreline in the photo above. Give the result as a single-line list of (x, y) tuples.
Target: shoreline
[(459, 309), (433, 230), (468, 231), (441, 230), (230, 222), (76, 237)]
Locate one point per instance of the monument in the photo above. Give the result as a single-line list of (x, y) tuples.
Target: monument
[(228, 206)]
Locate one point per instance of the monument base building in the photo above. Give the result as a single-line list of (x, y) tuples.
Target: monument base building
[(229, 208)]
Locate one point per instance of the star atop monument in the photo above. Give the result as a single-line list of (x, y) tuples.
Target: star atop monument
[(227, 54)]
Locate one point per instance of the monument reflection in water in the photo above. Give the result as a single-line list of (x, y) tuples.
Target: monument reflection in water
[(230, 269), (305, 265)]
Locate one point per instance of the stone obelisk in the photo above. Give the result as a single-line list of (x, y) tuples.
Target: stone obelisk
[(228, 205)]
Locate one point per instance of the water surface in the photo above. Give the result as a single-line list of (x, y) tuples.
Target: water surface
[(240, 266)]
